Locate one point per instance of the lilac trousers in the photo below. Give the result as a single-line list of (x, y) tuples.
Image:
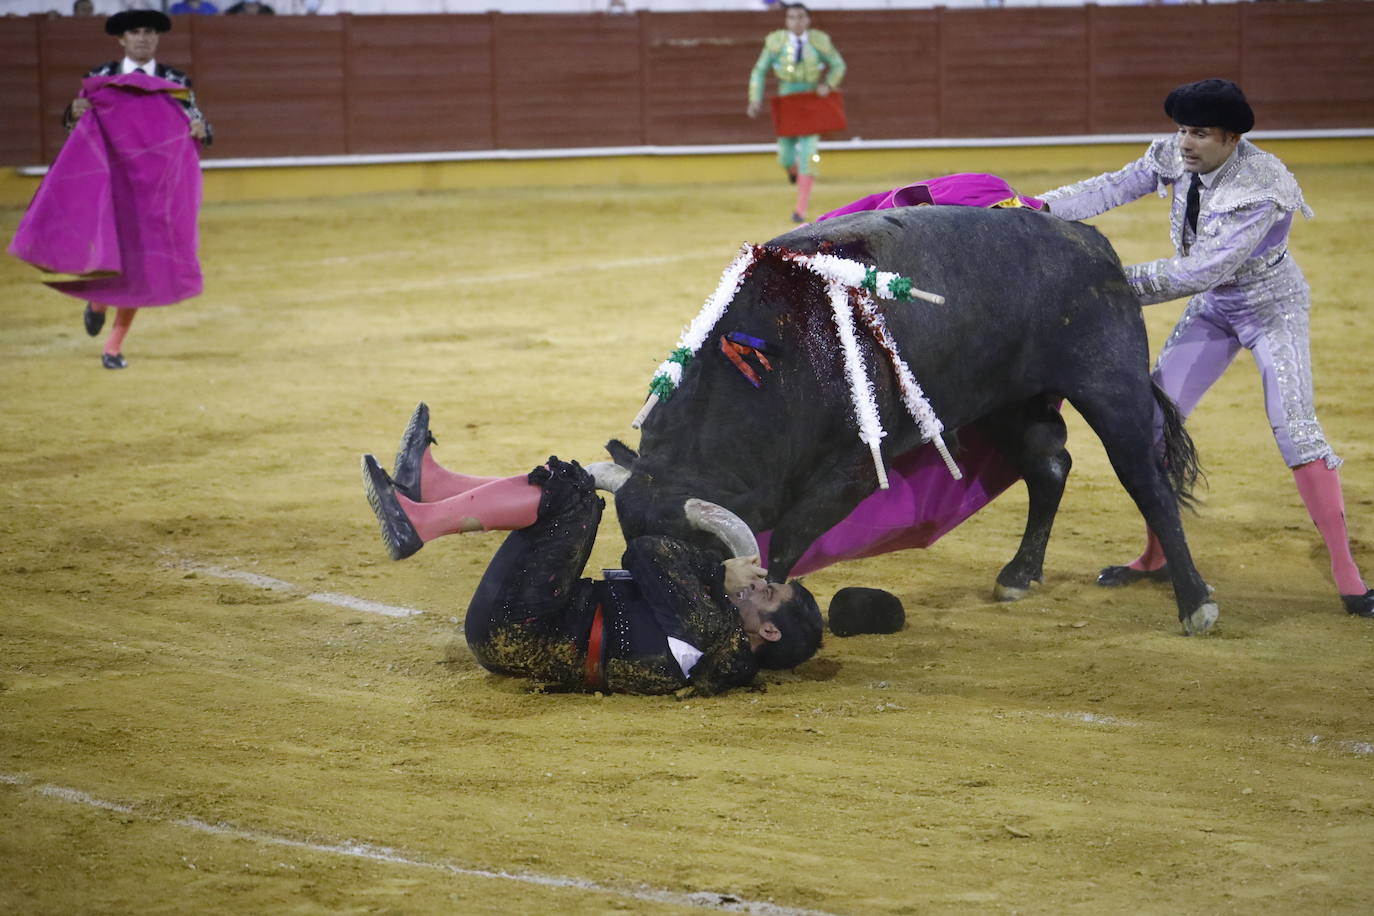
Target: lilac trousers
[(1210, 334)]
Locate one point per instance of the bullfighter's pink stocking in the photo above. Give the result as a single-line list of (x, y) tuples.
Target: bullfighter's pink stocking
[(504, 504), (1320, 489), (115, 342), (1153, 556), (804, 183), (438, 482)]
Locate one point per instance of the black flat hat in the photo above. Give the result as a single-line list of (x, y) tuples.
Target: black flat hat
[(1210, 103), (120, 23), (856, 610)]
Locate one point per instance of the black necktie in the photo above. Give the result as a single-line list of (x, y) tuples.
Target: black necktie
[(1194, 202), (799, 50)]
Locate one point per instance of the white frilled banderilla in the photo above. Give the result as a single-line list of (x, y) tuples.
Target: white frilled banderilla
[(851, 287)]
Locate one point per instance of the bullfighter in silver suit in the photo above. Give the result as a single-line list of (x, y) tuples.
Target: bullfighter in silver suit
[(1230, 232)]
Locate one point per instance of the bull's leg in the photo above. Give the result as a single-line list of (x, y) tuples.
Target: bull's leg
[(1126, 433), (1033, 438)]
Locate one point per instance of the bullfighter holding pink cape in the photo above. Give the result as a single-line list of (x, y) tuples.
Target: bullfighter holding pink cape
[(115, 218)]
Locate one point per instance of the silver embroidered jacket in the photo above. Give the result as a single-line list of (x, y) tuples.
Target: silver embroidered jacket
[(1242, 227)]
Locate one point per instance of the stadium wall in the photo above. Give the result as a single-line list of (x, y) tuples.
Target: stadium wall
[(490, 84)]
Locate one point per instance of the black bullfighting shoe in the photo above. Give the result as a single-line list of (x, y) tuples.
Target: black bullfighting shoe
[(93, 320), (1116, 576), (798, 218), (1359, 605), (405, 473), (398, 533), (113, 361)]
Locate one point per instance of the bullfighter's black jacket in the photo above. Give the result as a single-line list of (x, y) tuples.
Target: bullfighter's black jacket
[(533, 617), (161, 71)]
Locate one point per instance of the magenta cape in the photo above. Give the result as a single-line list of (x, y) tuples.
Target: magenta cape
[(922, 502), (968, 189), (118, 207)]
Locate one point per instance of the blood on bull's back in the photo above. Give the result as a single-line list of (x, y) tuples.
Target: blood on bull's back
[(1032, 303)]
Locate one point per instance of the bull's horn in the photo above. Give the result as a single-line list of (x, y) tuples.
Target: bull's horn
[(608, 475), (724, 524)]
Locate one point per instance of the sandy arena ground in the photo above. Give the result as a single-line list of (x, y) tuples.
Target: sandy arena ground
[(176, 737)]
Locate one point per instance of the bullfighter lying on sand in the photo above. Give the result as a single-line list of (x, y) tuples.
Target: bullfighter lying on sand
[(675, 616)]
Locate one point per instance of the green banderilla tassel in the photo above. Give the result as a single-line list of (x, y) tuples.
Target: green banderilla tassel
[(870, 281), (900, 287), (682, 356), (662, 386)]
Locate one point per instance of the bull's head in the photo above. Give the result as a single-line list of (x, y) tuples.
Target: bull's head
[(761, 424)]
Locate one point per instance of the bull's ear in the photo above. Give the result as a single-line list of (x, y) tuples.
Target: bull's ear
[(621, 453)]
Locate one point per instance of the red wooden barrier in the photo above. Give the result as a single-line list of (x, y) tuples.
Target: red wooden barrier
[(300, 85)]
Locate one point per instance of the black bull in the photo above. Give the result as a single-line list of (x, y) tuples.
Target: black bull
[(1037, 310)]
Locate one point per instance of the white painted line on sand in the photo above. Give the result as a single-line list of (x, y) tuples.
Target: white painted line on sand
[(279, 585), (1091, 718), (362, 604), (1359, 748), (707, 900), (81, 798)]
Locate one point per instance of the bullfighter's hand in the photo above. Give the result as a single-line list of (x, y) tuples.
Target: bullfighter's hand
[(823, 90), (742, 572), (80, 107), (198, 129), (753, 109)]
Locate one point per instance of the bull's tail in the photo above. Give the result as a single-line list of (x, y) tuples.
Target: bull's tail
[(1178, 459)]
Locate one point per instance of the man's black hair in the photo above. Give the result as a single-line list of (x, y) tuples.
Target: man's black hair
[(799, 620), (797, 6)]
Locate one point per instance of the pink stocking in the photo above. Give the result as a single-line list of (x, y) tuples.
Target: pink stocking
[(504, 504), (1320, 489), (1153, 556), (438, 482), (115, 342), (804, 183)]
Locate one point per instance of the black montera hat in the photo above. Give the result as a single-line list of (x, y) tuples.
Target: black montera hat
[(856, 610), (1210, 103), (120, 23)]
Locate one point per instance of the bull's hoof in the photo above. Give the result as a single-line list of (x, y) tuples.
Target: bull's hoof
[(1009, 592), (1201, 620)]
